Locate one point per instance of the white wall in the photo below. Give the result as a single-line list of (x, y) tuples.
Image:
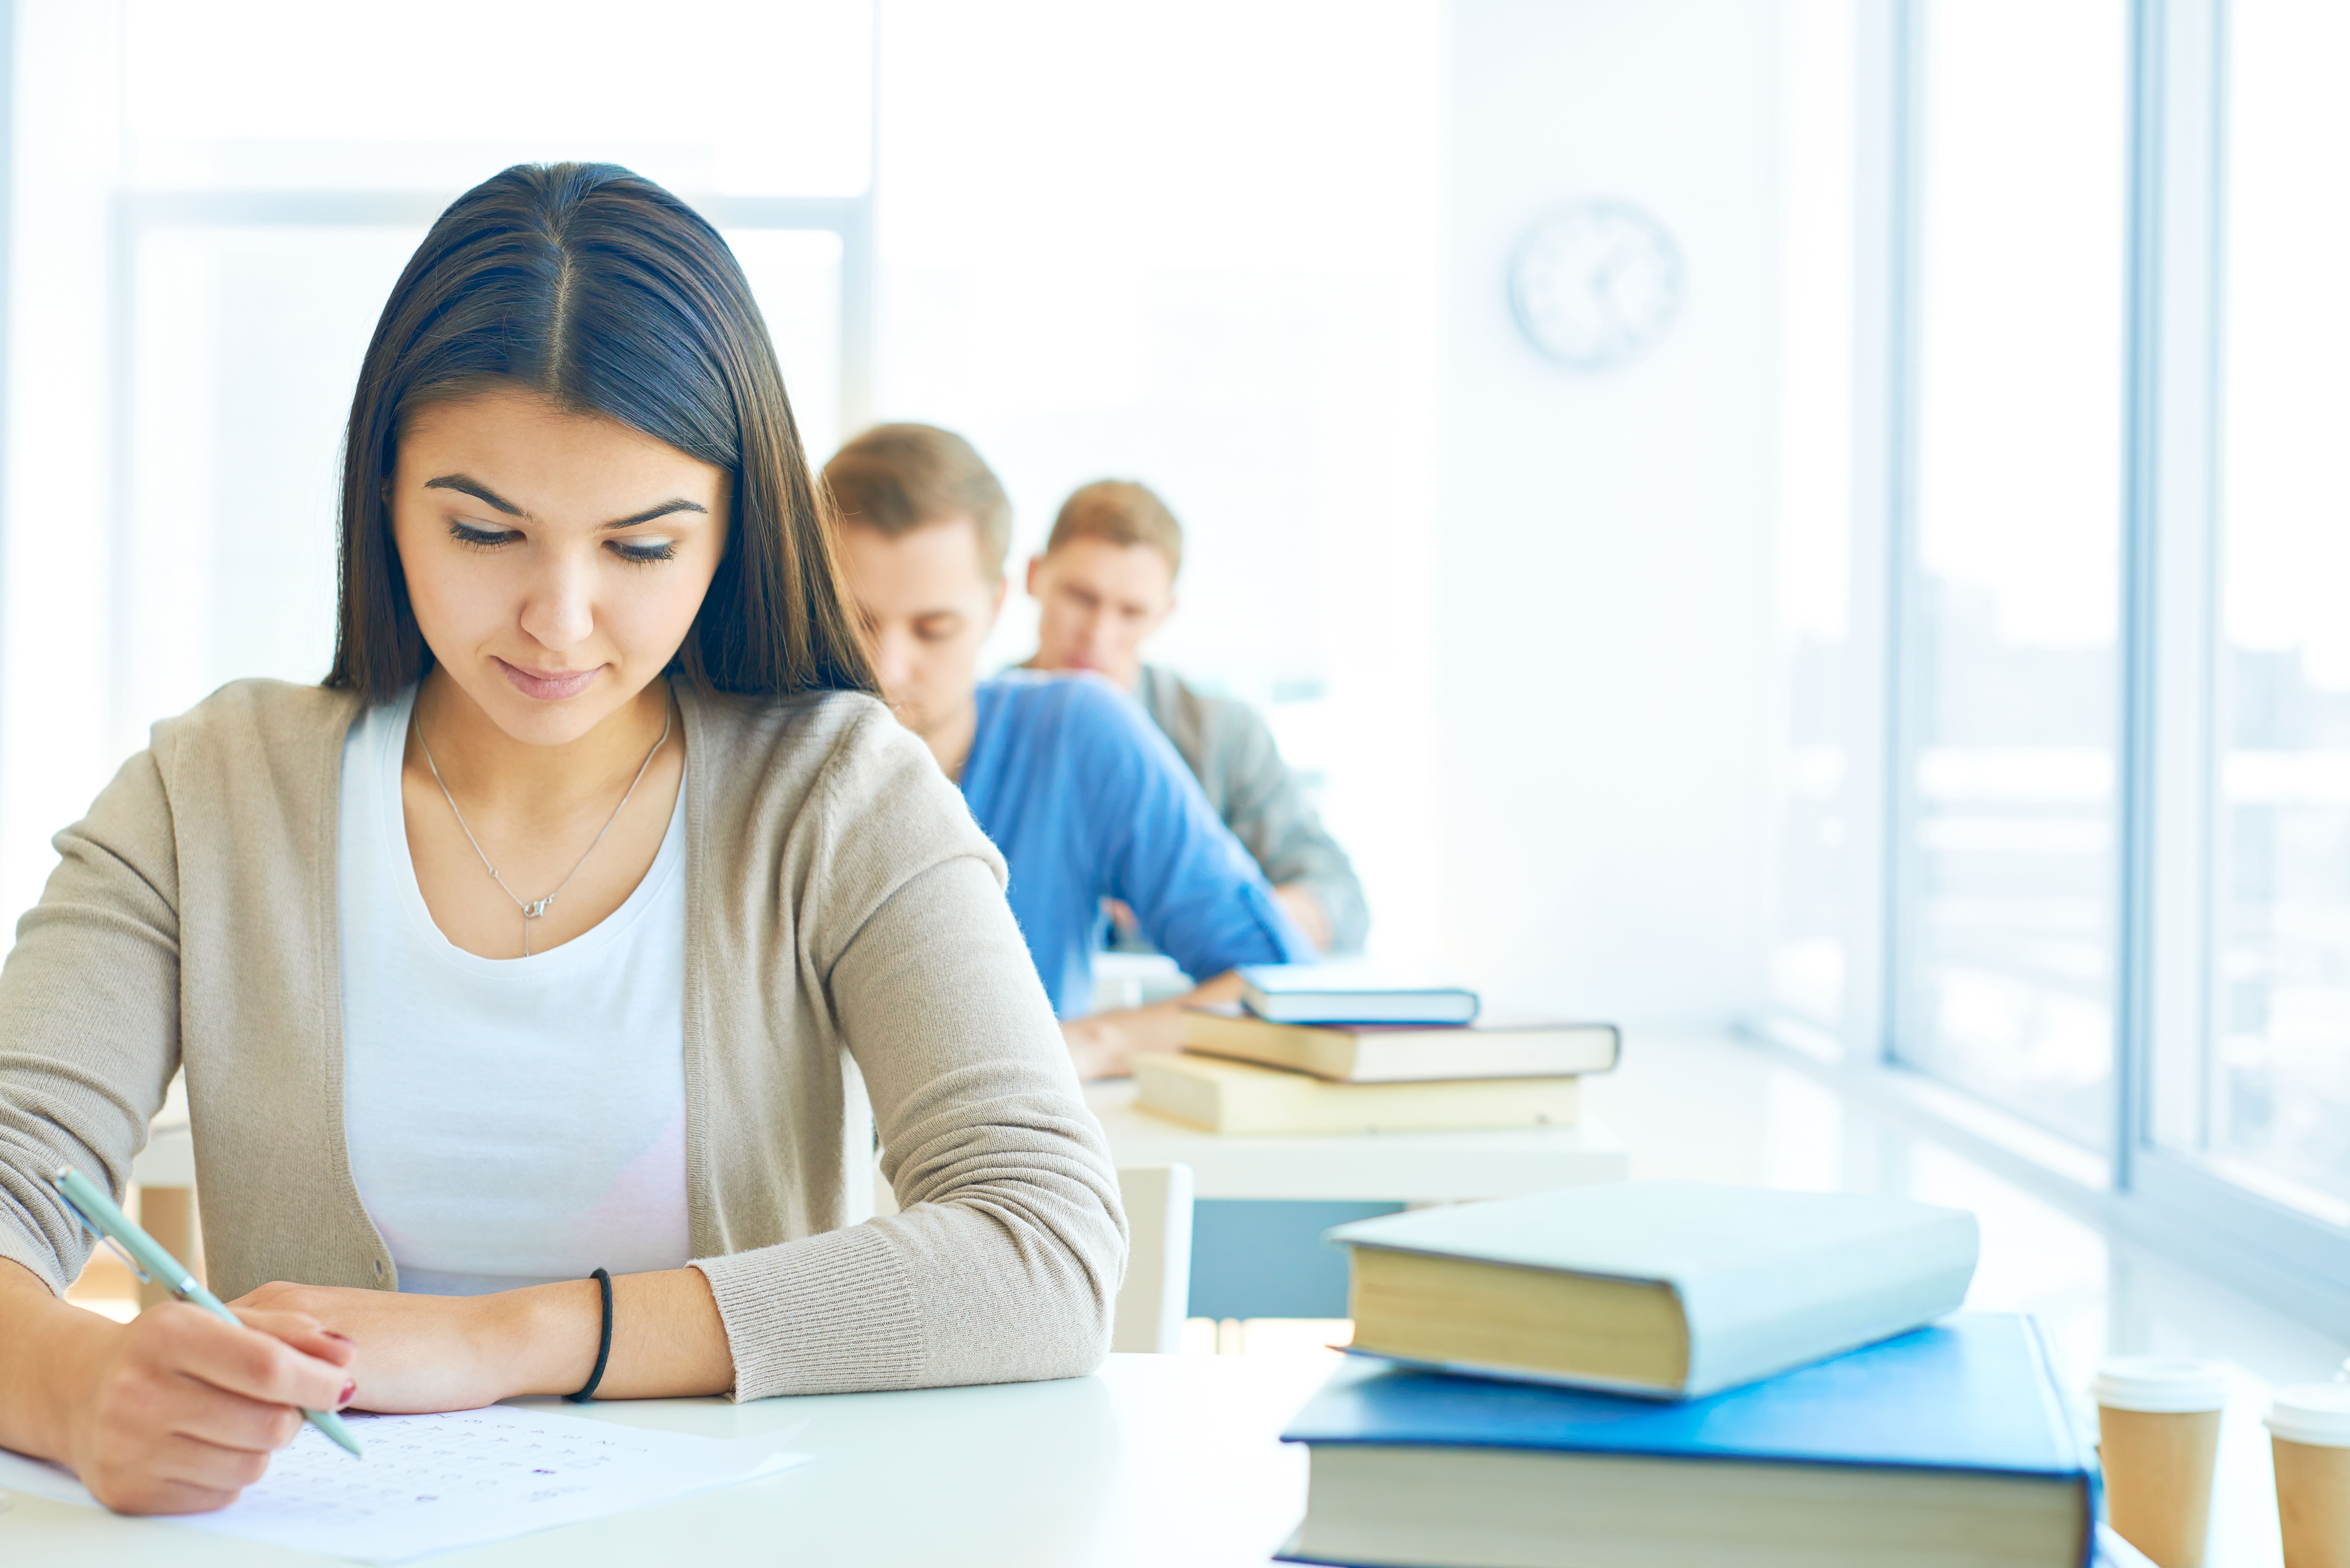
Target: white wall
[(1605, 591), (1196, 246), (56, 735)]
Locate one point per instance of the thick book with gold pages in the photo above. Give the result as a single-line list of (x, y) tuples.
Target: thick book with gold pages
[(1669, 1289), (1404, 1052), (1239, 1098)]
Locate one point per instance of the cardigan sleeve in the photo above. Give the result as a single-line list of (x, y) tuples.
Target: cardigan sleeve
[(1007, 1253), (90, 1019), (1009, 1246)]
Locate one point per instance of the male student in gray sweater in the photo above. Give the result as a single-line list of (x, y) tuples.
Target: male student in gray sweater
[(1104, 584)]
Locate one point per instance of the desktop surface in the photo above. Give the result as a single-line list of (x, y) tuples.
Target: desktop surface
[(1172, 1459)]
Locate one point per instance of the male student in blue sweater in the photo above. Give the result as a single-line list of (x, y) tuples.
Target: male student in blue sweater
[(1084, 795)]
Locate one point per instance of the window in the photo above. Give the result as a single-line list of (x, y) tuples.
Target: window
[(2098, 554), (244, 344), (2005, 713), (231, 219)]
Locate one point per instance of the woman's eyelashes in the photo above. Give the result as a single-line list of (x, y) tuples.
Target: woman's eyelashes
[(637, 552), (479, 537)]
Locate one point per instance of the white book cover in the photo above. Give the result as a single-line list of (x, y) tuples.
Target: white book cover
[(1767, 1280), (1353, 991)]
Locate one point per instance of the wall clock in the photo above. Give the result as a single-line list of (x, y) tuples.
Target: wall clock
[(1594, 284)]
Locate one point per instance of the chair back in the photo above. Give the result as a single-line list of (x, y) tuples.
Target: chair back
[(1156, 1298)]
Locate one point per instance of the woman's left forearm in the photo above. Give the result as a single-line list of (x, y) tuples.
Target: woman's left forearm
[(417, 1353), (668, 1340)]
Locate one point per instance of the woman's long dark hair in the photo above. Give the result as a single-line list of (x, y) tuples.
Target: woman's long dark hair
[(607, 294)]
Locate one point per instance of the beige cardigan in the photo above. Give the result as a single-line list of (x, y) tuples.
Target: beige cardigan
[(847, 943)]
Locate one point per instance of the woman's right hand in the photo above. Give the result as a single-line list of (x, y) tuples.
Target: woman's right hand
[(177, 1412)]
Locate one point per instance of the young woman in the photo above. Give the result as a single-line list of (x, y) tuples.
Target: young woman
[(573, 924)]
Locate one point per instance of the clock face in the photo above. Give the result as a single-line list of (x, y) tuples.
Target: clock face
[(1595, 284)]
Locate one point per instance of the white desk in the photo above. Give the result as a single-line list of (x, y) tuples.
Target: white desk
[(1264, 1257), (1399, 1167), (1415, 1167), (1156, 1460)]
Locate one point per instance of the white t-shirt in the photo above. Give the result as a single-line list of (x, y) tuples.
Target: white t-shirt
[(511, 1121)]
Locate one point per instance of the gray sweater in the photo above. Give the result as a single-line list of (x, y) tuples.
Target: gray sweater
[(1260, 797), (847, 946)]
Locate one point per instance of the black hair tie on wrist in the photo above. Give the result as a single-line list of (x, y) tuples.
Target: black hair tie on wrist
[(604, 1346)]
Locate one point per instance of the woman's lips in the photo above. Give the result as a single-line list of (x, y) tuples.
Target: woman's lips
[(547, 685)]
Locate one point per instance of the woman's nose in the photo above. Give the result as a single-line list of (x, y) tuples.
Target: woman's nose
[(561, 609)]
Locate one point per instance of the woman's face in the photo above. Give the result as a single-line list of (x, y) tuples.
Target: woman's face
[(555, 561)]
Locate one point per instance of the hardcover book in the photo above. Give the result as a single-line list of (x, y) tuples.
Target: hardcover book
[(1404, 1052), (1671, 1289), (1352, 990), (1241, 1098), (1945, 1448)]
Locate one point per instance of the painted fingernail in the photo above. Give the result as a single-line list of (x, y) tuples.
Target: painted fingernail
[(346, 1338), (350, 1389)]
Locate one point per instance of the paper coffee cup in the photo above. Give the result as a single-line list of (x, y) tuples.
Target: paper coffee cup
[(2158, 1435), (2309, 1432)]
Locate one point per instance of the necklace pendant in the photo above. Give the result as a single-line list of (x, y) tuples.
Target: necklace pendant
[(534, 910)]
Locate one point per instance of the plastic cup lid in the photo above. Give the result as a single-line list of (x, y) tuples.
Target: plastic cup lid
[(2313, 1413), (2159, 1384)]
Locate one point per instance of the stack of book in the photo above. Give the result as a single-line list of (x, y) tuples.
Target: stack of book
[(1322, 1048), (1665, 1374)]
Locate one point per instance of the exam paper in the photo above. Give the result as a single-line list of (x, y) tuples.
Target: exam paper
[(432, 1483)]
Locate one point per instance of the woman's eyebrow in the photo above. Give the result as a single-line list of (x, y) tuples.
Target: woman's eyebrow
[(664, 510), (477, 490), (466, 485)]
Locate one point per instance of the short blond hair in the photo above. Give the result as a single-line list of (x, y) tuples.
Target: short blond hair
[(1120, 512), (897, 478)]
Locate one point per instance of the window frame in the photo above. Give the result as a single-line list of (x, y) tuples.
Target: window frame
[(2172, 625)]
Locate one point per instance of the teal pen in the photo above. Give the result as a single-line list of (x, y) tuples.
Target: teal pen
[(150, 1262)]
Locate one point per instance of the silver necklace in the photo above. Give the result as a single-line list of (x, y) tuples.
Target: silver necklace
[(535, 909)]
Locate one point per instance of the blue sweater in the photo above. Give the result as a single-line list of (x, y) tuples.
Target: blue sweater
[(1088, 801)]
